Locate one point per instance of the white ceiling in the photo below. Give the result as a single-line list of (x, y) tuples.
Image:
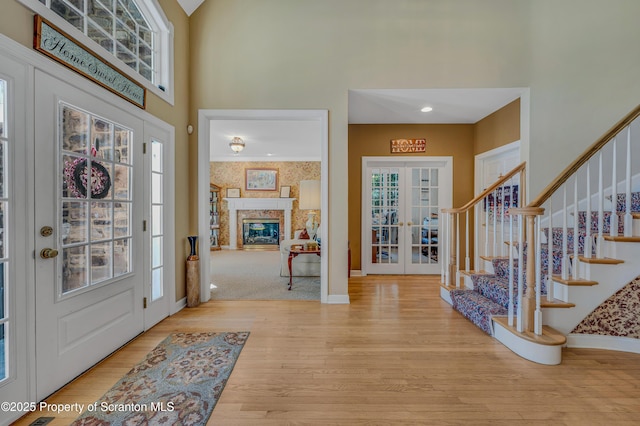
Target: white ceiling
[(189, 6), (389, 106), (300, 140)]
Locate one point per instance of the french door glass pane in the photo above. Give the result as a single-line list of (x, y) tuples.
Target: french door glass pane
[(96, 199), (424, 215), (384, 207)]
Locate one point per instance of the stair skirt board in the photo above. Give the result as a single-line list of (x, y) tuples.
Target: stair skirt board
[(610, 343), (444, 294), (535, 352)]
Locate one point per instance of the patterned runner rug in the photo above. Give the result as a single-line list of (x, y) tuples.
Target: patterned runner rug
[(178, 383)]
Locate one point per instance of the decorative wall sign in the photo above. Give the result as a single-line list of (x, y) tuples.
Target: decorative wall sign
[(54, 43), (404, 146)]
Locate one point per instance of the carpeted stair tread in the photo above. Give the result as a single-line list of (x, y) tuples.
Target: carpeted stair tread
[(476, 308)]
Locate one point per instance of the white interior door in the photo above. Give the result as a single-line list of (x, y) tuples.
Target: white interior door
[(14, 236), (89, 188), (402, 200)]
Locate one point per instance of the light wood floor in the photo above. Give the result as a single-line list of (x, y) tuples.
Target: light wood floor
[(397, 355)]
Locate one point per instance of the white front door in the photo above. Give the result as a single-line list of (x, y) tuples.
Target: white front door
[(14, 236), (89, 250), (401, 205)]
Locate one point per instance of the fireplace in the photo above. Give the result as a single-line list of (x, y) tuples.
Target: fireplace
[(260, 233)]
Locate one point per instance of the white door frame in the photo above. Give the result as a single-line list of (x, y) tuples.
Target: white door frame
[(482, 159), (365, 235), (205, 117)]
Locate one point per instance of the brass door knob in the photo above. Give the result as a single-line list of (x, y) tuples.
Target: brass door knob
[(48, 253), (409, 223)]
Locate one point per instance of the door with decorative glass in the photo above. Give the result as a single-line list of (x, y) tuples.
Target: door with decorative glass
[(89, 250), (402, 200), (14, 236)]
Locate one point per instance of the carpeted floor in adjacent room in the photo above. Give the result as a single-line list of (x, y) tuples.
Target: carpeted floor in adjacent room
[(255, 275)]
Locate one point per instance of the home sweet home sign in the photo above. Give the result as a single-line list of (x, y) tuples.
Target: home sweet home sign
[(55, 44)]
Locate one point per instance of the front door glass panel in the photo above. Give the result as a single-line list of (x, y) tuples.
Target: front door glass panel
[(95, 199)]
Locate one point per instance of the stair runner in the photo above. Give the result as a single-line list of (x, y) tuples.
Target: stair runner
[(490, 295)]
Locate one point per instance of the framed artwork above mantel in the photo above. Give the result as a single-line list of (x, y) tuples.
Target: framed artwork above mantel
[(261, 179)]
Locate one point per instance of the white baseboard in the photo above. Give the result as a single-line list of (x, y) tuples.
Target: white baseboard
[(612, 343), (338, 299), (178, 306), (356, 273)]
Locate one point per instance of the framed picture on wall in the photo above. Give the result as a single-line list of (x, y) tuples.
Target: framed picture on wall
[(285, 191), (233, 192), (261, 179)]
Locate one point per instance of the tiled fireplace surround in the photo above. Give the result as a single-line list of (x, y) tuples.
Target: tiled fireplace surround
[(254, 208)]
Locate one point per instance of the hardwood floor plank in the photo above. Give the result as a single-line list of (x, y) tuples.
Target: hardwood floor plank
[(397, 355)]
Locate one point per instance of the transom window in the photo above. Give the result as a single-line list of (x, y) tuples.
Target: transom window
[(116, 25), (135, 32)]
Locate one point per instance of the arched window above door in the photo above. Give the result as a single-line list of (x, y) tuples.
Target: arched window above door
[(131, 34)]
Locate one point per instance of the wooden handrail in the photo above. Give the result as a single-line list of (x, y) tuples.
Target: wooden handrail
[(590, 152), (520, 168)]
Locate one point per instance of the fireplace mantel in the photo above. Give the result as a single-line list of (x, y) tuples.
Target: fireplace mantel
[(235, 204)]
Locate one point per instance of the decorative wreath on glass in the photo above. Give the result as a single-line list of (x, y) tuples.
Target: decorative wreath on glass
[(75, 174)]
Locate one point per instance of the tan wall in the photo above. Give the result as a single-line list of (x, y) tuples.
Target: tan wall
[(16, 22), (498, 129), (454, 140), (295, 54), (290, 173)]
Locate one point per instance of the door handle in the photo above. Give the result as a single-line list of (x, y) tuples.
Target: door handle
[(48, 253), (409, 223), (400, 223)]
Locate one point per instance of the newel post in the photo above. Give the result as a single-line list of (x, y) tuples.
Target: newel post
[(529, 302)]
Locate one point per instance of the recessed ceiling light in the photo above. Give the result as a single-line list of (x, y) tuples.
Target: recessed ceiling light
[(269, 154), (426, 109)]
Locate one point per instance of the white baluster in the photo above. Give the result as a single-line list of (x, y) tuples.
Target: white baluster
[(467, 259), (587, 236), (511, 246), (486, 226), (550, 254), (457, 250), (613, 221), (502, 219), (576, 230), (538, 277), (599, 239), (565, 255), (476, 237), (444, 259), (519, 325), (494, 250), (628, 219)]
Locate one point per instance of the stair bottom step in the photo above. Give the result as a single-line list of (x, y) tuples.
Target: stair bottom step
[(476, 308)]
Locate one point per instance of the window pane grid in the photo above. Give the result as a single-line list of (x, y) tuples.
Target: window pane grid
[(96, 199), (157, 211), (118, 26)]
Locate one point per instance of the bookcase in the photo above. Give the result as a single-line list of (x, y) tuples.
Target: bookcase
[(214, 217)]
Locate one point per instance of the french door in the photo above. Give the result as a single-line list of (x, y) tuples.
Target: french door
[(89, 249), (402, 200)]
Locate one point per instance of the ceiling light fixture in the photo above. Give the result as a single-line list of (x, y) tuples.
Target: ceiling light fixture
[(426, 109), (236, 144)]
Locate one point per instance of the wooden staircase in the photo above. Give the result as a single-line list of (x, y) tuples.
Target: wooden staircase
[(571, 277)]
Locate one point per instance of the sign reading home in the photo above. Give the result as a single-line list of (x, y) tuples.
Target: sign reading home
[(405, 146), (62, 48)]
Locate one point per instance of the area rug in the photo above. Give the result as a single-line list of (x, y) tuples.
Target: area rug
[(178, 383)]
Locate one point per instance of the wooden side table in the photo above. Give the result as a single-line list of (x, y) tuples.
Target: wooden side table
[(293, 254)]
